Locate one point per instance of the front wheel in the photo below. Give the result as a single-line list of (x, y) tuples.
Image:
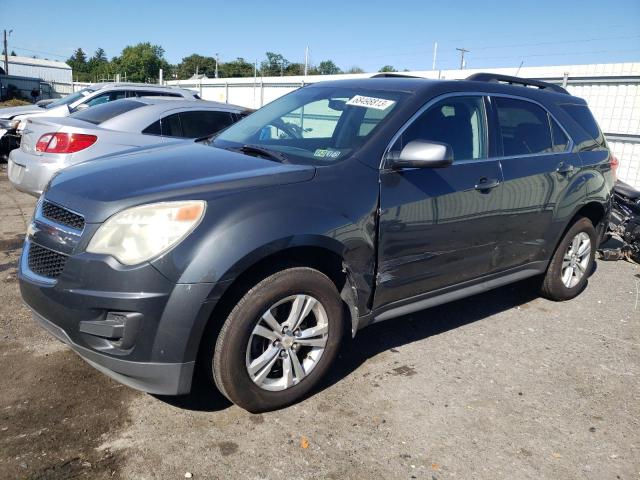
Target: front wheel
[(279, 340), (571, 263)]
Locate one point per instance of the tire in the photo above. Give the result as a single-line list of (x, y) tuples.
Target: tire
[(559, 288), (242, 345)]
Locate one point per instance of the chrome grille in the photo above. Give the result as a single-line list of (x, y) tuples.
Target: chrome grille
[(45, 262), (62, 216)]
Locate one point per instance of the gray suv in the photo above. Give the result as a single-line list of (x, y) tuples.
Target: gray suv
[(249, 255)]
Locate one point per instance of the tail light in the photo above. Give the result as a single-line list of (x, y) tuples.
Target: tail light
[(614, 163), (64, 142)]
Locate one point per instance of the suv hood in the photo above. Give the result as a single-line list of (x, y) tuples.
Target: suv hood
[(98, 189), (10, 112)]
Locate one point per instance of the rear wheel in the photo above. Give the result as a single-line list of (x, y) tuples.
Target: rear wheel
[(279, 340), (572, 262)]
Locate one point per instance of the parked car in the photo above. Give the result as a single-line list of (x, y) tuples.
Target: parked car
[(51, 144), (12, 119), (334, 207)]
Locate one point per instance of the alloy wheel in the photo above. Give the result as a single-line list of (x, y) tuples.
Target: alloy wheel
[(287, 342)]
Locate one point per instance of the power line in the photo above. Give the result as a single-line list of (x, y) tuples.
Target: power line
[(41, 52)]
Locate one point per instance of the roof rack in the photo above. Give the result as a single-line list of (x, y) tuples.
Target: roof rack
[(393, 75), (525, 82)]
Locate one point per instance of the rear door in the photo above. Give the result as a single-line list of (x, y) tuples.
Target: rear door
[(541, 181), (438, 225)]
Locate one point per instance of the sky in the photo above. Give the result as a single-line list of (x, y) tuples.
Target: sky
[(367, 34)]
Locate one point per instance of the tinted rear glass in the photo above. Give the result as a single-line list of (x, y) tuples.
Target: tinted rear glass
[(107, 111), (583, 117)]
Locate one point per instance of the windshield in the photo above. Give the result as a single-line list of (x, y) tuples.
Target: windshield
[(315, 125), (70, 98)]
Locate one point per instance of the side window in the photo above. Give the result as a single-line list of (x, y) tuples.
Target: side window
[(523, 127), (106, 97), (153, 129), (144, 93), (200, 124), (171, 126), (457, 121), (583, 117), (560, 140)]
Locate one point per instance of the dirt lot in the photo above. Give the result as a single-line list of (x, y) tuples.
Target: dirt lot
[(501, 385)]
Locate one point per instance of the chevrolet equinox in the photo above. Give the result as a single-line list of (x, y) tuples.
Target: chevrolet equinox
[(247, 255)]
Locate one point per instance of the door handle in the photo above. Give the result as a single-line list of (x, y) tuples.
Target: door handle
[(486, 184), (564, 168)]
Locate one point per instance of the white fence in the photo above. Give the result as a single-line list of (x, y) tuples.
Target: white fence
[(612, 91)]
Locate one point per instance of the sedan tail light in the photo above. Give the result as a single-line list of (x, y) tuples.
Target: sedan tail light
[(64, 142)]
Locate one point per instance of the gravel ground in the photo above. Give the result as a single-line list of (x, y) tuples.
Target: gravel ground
[(500, 385)]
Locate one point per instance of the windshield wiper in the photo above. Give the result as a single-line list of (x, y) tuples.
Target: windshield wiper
[(265, 152)]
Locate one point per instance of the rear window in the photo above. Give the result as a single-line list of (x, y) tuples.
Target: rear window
[(107, 111), (583, 117)]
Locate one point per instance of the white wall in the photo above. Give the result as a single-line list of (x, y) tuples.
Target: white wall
[(612, 91), (47, 70)]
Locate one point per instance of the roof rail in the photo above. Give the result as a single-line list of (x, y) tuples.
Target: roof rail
[(525, 82), (393, 75)]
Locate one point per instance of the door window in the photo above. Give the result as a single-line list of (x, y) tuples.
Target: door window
[(456, 121), (171, 126), (200, 124), (106, 97), (145, 93), (523, 127)]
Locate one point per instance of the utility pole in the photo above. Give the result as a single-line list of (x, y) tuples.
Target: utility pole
[(217, 60), (435, 53), (6, 52), (306, 60), (462, 52)]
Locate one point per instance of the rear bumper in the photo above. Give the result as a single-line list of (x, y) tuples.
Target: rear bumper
[(28, 173), (151, 377)]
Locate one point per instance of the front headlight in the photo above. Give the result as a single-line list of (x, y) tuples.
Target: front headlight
[(141, 233)]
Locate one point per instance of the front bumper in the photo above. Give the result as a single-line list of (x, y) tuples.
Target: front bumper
[(155, 353), (152, 377), (28, 173)]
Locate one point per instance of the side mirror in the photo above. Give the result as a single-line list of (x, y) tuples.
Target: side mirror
[(422, 154), (79, 108)]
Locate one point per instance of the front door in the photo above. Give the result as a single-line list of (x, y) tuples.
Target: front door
[(437, 225)]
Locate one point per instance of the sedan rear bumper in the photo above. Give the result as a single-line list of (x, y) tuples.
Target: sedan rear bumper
[(29, 173)]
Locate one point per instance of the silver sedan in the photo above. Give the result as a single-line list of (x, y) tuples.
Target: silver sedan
[(51, 144)]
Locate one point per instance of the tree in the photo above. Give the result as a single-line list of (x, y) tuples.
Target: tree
[(387, 68), (355, 69), (13, 53), (98, 66), (236, 68), (327, 67), (78, 61), (99, 56), (274, 65), (195, 63), (294, 69), (141, 62)]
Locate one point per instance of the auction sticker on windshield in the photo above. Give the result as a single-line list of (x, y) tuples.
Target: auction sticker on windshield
[(370, 102)]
